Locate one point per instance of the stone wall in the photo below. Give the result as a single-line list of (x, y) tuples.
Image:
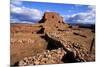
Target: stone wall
[(52, 16)]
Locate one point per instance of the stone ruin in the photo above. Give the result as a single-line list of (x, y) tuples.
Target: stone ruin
[(53, 21), (51, 16), (52, 26)]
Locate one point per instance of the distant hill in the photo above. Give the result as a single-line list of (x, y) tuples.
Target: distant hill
[(81, 25)]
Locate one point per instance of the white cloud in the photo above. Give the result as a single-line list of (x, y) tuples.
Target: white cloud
[(48, 10), (29, 13), (83, 17), (92, 7), (18, 21), (13, 20), (16, 9), (16, 2)]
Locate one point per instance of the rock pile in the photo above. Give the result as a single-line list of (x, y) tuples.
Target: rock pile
[(76, 50), (47, 57)]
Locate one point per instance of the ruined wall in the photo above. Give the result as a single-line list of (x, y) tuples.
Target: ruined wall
[(51, 16)]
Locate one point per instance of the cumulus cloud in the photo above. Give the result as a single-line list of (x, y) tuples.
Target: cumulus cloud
[(83, 17), (16, 2), (13, 20), (22, 13), (48, 10), (32, 13)]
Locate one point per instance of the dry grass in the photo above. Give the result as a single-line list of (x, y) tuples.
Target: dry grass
[(25, 44)]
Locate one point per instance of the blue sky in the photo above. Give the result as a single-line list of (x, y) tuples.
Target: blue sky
[(30, 12)]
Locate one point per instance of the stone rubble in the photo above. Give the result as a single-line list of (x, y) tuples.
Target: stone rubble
[(47, 57)]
